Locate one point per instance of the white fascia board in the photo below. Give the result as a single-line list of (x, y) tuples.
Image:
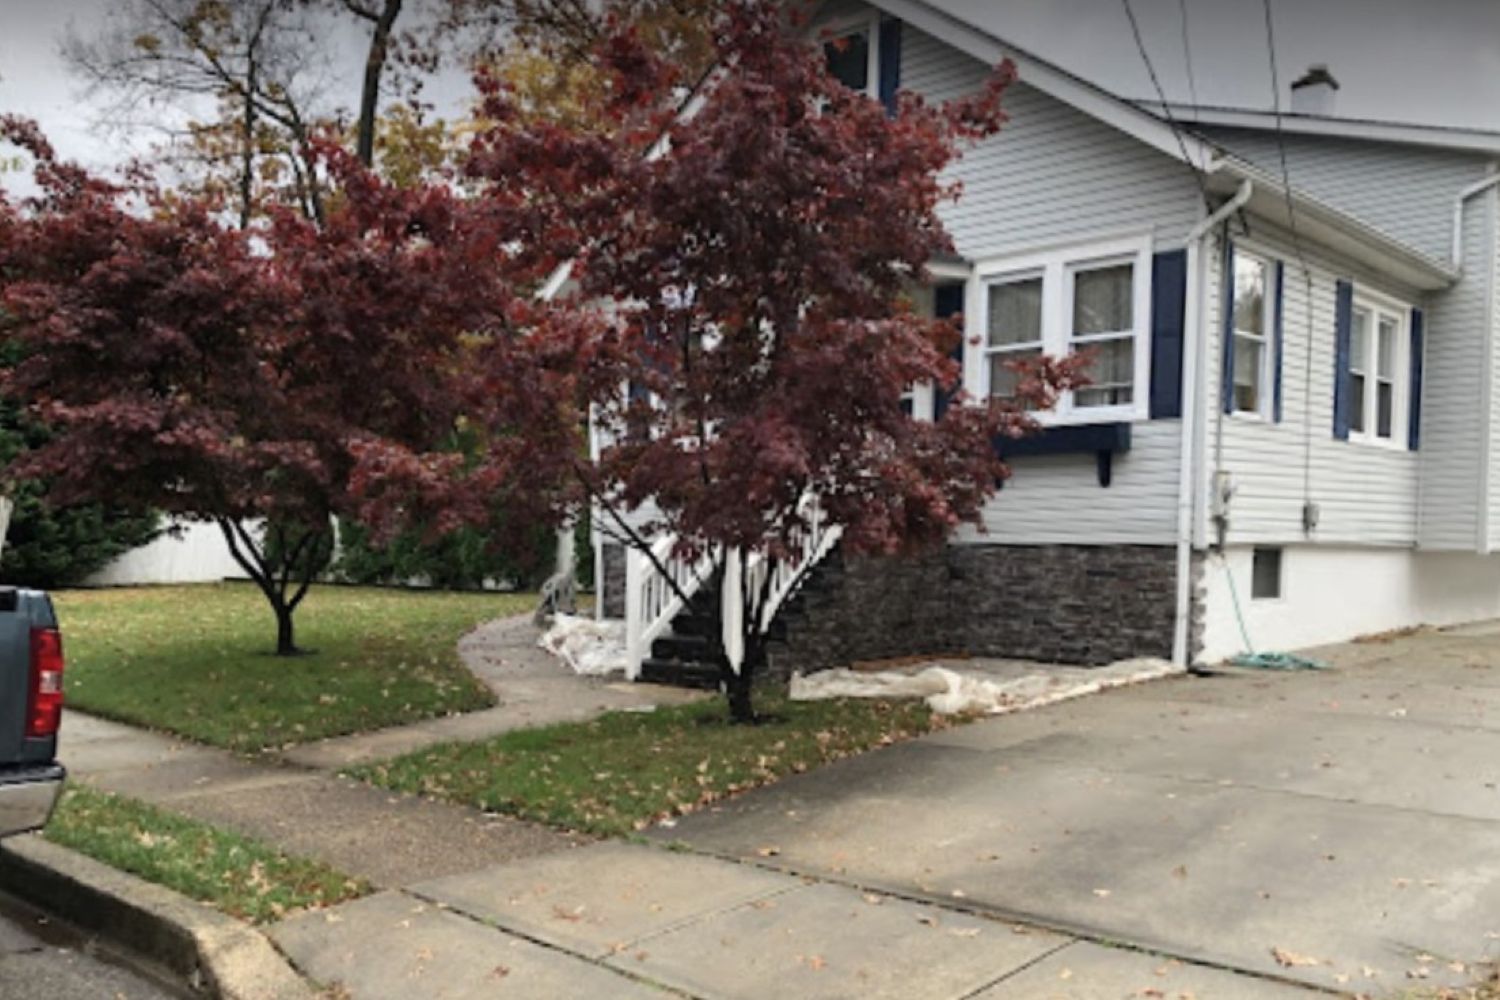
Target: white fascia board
[(1049, 79), (1335, 229), (1437, 136)]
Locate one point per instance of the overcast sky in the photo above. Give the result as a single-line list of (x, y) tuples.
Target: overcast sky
[(1434, 61)]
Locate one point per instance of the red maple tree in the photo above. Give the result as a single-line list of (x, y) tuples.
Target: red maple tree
[(187, 366), (746, 268)]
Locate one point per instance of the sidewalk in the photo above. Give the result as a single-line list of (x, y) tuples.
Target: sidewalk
[(300, 803), (533, 687), (628, 921), (469, 900), (472, 905)]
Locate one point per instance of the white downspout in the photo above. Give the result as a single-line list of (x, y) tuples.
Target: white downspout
[(1193, 398), (1456, 254)]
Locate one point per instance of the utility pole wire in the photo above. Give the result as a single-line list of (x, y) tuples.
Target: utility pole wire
[(1140, 44)]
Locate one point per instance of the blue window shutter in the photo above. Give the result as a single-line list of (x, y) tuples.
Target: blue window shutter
[(1226, 388), (947, 300), (1414, 417), (890, 62), (1168, 301), (1343, 322), (1278, 340)]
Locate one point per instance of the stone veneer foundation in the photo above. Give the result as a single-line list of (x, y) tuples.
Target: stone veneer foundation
[(1075, 604)]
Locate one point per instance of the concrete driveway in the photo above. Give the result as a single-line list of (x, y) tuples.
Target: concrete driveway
[(1339, 828)]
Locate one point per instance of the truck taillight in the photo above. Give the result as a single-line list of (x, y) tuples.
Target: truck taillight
[(44, 704)]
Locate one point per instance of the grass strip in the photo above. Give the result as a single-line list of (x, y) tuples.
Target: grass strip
[(236, 874), (625, 770)]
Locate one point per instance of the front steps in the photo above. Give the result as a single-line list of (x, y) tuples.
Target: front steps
[(691, 655)]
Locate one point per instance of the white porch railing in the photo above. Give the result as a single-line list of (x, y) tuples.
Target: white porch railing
[(651, 601), (809, 546)]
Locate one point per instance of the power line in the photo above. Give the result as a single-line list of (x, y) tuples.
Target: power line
[(1291, 215), (1187, 56), (1140, 44)]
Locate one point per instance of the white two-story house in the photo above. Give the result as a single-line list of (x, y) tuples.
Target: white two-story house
[(1293, 402)]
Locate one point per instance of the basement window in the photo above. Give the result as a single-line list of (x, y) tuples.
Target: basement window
[(1265, 575)]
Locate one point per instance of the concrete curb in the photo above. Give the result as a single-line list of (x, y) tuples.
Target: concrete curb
[(215, 953)]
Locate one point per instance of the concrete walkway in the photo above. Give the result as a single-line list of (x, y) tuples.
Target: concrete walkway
[(1251, 836), (630, 921), (389, 839), (1339, 828), (533, 688), (300, 803)]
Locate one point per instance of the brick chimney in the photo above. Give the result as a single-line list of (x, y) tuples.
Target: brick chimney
[(1315, 92)]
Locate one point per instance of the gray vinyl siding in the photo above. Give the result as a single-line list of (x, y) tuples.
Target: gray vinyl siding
[(1367, 493), (1405, 191), (1057, 499), (1452, 428), (1489, 207), (1053, 176)]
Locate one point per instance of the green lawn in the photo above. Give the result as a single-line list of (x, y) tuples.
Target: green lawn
[(624, 770), (196, 660), (236, 874)]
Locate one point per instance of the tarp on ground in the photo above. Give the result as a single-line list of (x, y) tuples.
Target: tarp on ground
[(593, 648), (953, 692)]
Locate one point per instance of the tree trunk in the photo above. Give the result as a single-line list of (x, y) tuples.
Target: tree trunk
[(369, 98), (738, 687), (285, 630)]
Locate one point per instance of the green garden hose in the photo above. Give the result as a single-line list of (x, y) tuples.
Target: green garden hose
[(1261, 661)]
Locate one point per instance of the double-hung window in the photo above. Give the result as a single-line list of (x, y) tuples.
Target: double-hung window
[(1093, 300), (1013, 328), (1103, 310), (1252, 343), (851, 52), (1377, 372)]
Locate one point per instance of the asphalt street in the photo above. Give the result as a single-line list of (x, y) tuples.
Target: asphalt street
[(39, 960)]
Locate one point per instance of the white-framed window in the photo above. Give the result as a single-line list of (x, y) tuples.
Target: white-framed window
[(1013, 326), (1378, 370), (1253, 346), (1094, 298), (851, 50)]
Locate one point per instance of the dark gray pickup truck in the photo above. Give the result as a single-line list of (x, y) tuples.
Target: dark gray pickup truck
[(31, 695)]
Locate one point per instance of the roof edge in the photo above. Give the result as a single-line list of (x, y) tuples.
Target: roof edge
[(1052, 80), (1438, 136), (1338, 230)]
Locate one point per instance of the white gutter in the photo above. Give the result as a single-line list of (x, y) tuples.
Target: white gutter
[(1188, 497), (1456, 255)]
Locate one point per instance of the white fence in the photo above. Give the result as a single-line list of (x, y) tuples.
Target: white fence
[(197, 555)]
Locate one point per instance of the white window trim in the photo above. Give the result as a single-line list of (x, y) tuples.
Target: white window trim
[(1057, 266), (923, 395), (868, 23), (1268, 359), (1378, 304)]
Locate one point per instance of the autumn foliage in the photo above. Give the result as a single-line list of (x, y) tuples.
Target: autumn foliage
[(737, 323), (744, 264), (191, 367)]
